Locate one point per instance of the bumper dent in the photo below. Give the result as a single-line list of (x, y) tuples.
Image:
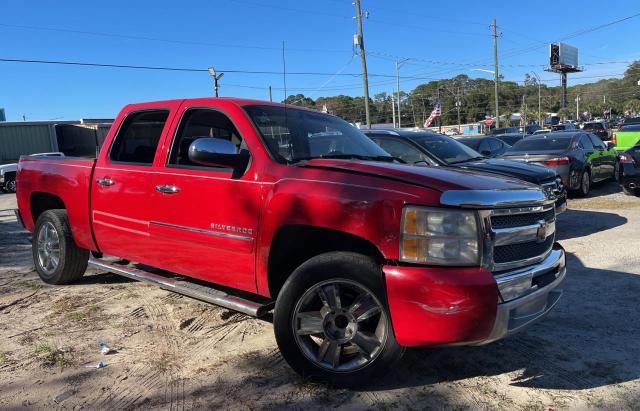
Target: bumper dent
[(469, 306)]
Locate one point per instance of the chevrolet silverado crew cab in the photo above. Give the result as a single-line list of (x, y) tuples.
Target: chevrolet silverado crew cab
[(257, 206)]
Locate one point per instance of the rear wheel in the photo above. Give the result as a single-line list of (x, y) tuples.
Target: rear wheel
[(332, 323), (57, 258)]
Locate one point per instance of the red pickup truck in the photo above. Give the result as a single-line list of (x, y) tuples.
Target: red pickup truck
[(258, 206)]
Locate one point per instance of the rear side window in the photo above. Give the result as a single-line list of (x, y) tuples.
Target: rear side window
[(138, 138), (585, 143), (597, 143)]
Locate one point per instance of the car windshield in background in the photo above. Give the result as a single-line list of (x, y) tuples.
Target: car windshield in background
[(294, 134), (473, 143), (630, 127), (445, 148), (594, 126), (547, 143)]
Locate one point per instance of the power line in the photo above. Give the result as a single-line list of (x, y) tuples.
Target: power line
[(166, 40)]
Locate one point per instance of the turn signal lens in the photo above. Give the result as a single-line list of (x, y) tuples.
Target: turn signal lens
[(626, 159)]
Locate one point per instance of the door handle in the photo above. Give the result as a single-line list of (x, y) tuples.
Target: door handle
[(167, 189), (105, 181)]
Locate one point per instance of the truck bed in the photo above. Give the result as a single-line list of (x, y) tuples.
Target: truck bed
[(42, 180)]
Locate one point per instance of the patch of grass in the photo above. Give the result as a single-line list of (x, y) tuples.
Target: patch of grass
[(30, 284), (164, 362), (88, 313), (49, 355), (4, 357)]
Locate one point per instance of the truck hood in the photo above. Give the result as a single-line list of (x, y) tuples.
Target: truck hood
[(438, 178), (532, 173)]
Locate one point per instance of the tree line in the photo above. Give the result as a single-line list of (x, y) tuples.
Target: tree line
[(475, 99)]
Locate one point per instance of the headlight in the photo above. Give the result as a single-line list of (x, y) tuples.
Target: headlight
[(437, 236)]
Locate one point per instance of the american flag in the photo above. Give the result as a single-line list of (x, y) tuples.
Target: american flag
[(437, 111)]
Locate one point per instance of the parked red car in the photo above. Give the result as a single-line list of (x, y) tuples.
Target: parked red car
[(284, 208)]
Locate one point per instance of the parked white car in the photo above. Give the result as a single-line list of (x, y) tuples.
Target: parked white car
[(8, 172)]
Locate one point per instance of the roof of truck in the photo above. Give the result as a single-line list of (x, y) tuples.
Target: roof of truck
[(236, 100)]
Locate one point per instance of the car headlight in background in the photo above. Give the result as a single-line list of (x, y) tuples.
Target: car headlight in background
[(437, 236)]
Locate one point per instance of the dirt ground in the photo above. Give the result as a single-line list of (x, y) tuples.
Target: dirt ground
[(176, 353)]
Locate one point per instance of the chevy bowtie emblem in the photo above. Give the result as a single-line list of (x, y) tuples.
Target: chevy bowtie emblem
[(541, 234)]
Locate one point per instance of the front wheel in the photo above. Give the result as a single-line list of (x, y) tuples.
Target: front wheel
[(332, 323), (10, 185), (585, 184)]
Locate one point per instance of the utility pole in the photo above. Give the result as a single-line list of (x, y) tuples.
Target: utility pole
[(440, 116), (495, 67), (216, 77), (363, 60), (393, 109), (270, 95), (577, 107), (458, 104)]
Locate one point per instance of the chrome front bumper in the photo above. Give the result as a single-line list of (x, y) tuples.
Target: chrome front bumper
[(528, 295)]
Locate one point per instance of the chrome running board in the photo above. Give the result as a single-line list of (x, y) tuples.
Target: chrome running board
[(188, 288)]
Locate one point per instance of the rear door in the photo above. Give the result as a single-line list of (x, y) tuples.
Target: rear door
[(122, 189), (205, 226)]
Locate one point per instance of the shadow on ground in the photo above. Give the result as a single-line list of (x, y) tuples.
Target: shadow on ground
[(581, 223)]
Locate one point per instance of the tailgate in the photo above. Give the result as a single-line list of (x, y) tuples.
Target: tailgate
[(626, 139)]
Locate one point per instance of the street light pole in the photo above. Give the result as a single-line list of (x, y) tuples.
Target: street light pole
[(495, 67), (539, 99), (216, 77), (398, 65)]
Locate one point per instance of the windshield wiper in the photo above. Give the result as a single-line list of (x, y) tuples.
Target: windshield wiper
[(469, 159), (350, 156)]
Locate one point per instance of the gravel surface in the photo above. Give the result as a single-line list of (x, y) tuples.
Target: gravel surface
[(176, 353)]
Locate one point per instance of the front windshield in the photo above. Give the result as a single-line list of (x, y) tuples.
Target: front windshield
[(446, 149), (293, 134)]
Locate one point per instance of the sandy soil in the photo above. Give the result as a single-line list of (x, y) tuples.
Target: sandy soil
[(176, 353)]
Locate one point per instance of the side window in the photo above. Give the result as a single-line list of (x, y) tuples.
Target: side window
[(495, 145), (201, 123), (137, 139), (585, 143), (401, 150), (484, 146), (597, 143)]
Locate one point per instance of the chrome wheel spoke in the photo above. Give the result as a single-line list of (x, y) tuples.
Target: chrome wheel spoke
[(48, 247), (330, 296), (309, 323), (364, 307), (366, 343), (331, 352)]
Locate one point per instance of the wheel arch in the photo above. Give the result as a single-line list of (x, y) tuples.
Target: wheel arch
[(293, 244)]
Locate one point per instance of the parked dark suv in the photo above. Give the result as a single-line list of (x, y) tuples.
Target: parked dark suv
[(596, 128), (433, 149)]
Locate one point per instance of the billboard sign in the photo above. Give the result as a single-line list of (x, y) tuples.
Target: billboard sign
[(563, 55)]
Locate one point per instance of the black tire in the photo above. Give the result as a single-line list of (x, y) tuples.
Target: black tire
[(10, 183), (350, 269), (585, 185), (72, 260)]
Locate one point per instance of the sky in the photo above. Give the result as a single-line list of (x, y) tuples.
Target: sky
[(439, 39)]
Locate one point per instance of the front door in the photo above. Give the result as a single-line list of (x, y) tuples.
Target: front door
[(204, 220), (123, 184)]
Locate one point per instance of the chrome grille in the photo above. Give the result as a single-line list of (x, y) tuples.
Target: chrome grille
[(516, 237), (521, 251), (517, 220)]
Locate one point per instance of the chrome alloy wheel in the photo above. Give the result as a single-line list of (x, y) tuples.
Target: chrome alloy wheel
[(340, 325), (48, 248)]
